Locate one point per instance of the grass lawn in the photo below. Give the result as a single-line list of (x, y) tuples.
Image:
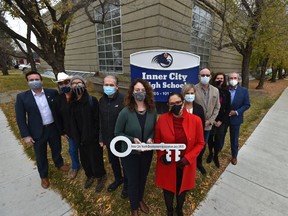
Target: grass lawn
[(88, 202)]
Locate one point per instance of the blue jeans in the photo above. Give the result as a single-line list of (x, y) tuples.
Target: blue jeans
[(73, 151)]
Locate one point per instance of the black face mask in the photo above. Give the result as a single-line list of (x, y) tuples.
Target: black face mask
[(218, 83), (176, 109)]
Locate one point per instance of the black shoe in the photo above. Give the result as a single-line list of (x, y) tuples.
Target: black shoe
[(112, 187), (201, 169), (101, 183), (89, 182), (216, 161), (124, 194), (209, 158)]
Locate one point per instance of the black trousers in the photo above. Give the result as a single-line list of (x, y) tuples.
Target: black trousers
[(50, 135), (137, 168), (117, 167), (91, 157), (169, 196), (216, 136)]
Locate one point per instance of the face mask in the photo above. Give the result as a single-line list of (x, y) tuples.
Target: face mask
[(219, 83), (139, 96), (204, 80), (35, 84), (109, 90), (78, 90), (65, 89), (176, 109), (189, 97), (233, 82)]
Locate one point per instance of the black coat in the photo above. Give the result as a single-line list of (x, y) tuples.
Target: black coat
[(109, 109), (84, 122), (199, 111), (62, 114), (225, 99)]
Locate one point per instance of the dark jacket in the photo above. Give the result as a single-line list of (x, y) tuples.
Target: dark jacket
[(84, 125), (199, 111), (62, 114), (225, 99), (28, 116), (109, 109)]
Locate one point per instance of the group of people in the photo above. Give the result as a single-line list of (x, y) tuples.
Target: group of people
[(197, 115)]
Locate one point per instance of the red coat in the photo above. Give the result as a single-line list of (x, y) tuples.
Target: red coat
[(164, 132)]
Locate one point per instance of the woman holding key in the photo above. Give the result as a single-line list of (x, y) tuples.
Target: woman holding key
[(177, 126), (136, 122)]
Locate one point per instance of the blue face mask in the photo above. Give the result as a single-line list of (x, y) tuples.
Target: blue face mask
[(109, 90), (35, 84), (189, 97), (65, 89)]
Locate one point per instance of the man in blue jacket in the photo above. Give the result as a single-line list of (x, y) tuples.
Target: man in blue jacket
[(239, 104), (36, 124)]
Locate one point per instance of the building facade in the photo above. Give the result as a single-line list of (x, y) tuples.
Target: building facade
[(138, 25)]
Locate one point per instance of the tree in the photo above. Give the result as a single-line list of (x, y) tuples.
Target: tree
[(51, 38), (241, 20), (6, 49)]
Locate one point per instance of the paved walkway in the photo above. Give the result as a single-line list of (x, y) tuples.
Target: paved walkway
[(258, 184), (20, 189)]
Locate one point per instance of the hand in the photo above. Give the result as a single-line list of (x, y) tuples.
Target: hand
[(232, 113), (182, 163), (149, 141), (164, 160), (207, 123), (29, 140), (218, 123), (66, 136), (137, 141), (101, 144)]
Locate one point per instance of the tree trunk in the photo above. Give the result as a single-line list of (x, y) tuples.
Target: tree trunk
[(280, 76), (262, 73), (4, 71), (245, 66), (274, 74)]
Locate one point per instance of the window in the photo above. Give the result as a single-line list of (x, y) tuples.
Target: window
[(109, 39), (201, 34)]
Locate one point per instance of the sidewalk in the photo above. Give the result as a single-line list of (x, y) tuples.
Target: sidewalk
[(258, 184), (20, 189)]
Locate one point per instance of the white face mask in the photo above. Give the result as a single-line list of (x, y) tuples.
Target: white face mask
[(204, 80), (189, 97), (233, 82)]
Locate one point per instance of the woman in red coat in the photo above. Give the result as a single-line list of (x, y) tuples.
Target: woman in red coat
[(177, 126)]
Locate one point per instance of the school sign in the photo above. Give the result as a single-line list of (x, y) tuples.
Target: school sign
[(166, 70)]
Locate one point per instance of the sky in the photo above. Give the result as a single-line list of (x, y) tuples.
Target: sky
[(19, 27)]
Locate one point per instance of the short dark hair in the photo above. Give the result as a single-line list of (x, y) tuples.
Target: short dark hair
[(32, 72), (177, 94)]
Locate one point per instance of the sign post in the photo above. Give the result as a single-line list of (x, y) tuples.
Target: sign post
[(166, 70)]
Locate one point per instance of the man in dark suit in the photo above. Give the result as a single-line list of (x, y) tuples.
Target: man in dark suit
[(36, 124), (239, 104)]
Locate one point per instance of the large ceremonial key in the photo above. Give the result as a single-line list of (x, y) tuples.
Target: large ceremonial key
[(145, 147)]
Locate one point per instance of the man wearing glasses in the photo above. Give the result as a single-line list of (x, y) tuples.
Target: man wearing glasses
[(208, 97), (36, 124), (62, 119)]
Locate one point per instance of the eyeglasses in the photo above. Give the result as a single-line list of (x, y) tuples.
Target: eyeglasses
[(175, 103), (77, 83), (65, 82), (203, 75)]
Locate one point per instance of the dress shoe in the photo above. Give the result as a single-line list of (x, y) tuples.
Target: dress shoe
[(201, 169), (209, 158), (124, 194), (234, 161), (101, 183), (216, 161), (73, 173), (143, 207), (89, 182), (134, 213), (45, 183), (112, 187), (64, 168)]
